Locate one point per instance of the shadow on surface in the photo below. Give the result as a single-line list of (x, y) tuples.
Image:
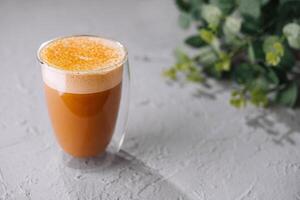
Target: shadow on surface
[(207, 91), (269, 121), (119, 176)]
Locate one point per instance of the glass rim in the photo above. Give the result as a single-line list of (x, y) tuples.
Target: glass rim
[(89, 71)]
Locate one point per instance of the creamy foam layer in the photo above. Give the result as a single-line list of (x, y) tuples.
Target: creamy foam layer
[(82, 64)]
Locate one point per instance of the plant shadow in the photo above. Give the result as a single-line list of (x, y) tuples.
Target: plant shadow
[(116, 176), (280, 123), (210, 91), (268, 120)]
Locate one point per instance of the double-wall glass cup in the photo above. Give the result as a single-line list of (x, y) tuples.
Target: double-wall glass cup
[(88, 109)]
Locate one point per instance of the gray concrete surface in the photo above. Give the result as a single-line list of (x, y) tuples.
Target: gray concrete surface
[(183, 142)]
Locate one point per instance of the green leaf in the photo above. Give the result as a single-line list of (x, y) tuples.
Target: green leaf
[(225, 5), (224, 62), (196, 13), (251, 54), (197, 3), (288, 60), (269, 42), (210, 70), (195, 77), (206, 35), (238, 99), (258, 91), (250, 25), (182, 67), (183, 5), (238, 103), (269, 17), (232, 27), (272, 59), (292, 33), (216, 45), (250, 8), (233, 24), (260, 83), (185, 66), (288, 95), (196, 9), (273, 49), (212, 15), (278, 48), (272, 77), (258, 50), (194, 41), (287, 1), (170, 73), (180, 56), (287, 12), (244, 73), (184, 20), (206, 56), (264, 2), (259, 97)]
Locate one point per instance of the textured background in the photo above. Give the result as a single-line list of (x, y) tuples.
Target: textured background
[(184, 141)]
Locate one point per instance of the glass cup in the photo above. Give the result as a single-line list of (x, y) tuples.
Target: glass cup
[(89, 108)]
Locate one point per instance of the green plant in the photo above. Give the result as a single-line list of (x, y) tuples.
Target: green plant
[(253, 43)]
